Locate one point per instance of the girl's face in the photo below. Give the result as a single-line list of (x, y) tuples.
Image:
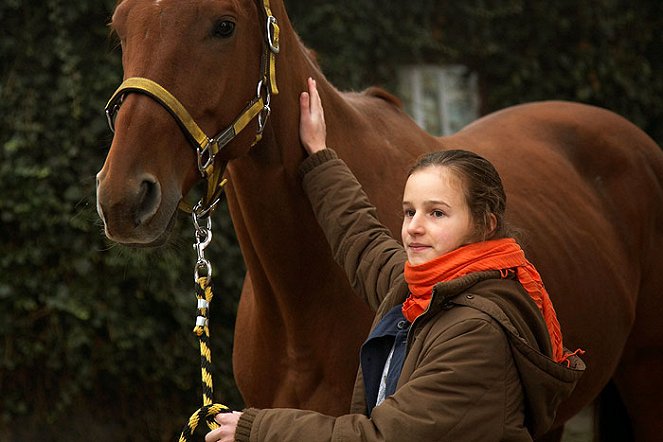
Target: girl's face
[(436, 217)]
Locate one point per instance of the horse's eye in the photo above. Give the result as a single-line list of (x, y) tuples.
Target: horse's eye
[(223, 28)]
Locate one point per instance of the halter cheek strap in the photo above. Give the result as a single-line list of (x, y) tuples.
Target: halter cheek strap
[(208, 148)]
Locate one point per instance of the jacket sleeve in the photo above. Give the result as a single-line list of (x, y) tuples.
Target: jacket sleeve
[(361, 245), (457, 392)]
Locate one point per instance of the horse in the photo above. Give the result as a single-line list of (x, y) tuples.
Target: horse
[(584, 184)]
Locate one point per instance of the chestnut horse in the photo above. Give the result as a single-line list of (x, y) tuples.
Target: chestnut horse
[(584, 184)]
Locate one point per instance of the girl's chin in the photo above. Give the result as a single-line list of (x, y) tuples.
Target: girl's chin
[(418, 260)]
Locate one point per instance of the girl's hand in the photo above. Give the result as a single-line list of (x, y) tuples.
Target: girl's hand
[(312, 129), (225, 433)]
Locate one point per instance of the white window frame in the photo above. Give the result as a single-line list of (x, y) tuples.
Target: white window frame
[(456, 94)]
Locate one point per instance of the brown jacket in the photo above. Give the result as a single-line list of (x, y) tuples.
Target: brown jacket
[(477, 366)]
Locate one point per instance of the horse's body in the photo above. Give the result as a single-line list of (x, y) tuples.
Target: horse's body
[(585, 185)]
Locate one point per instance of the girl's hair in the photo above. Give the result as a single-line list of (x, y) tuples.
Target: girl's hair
[(482, 186)]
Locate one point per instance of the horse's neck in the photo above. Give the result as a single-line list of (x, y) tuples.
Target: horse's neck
[(275, 227), (279, 235)]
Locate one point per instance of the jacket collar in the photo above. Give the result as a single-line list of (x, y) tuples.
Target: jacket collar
[(443, 292)]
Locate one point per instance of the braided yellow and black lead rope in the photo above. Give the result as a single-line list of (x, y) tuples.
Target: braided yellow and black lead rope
[(209, 409)]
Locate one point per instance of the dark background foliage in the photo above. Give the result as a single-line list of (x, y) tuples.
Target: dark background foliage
[(95, 339)]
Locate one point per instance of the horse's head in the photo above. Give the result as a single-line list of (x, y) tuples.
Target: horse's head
[(192, 70)]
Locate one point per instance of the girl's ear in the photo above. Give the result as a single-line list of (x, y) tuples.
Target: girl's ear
[(491, 224)]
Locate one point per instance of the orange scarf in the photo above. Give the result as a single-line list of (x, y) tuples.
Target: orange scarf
[(497, 254)]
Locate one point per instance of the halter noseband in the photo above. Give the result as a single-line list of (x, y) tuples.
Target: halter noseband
[(207, 148)]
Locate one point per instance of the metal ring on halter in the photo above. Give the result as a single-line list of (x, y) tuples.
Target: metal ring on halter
[(263, 115), (111, 112), (262, 118), (210, 207), (110, 117), (205, 212), (264, 86), (201, 211), (195, 215), (271, 21), (202, 167)]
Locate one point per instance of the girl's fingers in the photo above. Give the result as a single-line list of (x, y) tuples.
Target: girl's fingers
[(213, 436), (315, 96), (304, 102), (312, 131)]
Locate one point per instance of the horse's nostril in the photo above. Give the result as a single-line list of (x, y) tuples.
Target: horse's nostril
[(149, 199)]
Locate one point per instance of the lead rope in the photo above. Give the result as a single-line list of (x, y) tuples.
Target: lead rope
[(204, 296)]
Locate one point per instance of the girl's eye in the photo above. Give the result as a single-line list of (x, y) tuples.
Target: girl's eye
[(409, 213), (437, 213)]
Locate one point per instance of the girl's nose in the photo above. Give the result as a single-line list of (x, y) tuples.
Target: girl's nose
[(415, 226)]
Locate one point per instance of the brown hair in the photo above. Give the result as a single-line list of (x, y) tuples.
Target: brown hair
[(482, 184)]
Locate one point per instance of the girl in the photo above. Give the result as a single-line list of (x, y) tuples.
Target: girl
[(465, 345)]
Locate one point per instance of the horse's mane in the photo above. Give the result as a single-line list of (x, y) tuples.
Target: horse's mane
[(311, 54), (382, 94), (371, 92), (111, 30)]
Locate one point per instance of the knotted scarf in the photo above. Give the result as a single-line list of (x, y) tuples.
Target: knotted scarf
[(500, 254)]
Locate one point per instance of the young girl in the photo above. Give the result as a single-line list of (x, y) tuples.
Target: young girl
[(465, 345)]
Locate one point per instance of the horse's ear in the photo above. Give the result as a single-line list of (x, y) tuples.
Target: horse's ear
[(112, 33)]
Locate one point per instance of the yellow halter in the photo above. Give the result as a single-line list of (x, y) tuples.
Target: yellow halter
[(207, 148)]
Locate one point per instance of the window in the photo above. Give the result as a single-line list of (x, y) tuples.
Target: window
[(441, 99)]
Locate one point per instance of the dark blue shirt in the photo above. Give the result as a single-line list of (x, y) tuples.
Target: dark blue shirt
[(390, 332)]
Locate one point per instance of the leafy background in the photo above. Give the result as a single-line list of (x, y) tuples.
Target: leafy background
[(95, 339)]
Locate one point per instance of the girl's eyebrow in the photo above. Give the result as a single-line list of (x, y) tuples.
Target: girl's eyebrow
[(429, 203)]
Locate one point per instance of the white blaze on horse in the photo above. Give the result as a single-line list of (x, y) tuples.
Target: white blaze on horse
[(585, 185)]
